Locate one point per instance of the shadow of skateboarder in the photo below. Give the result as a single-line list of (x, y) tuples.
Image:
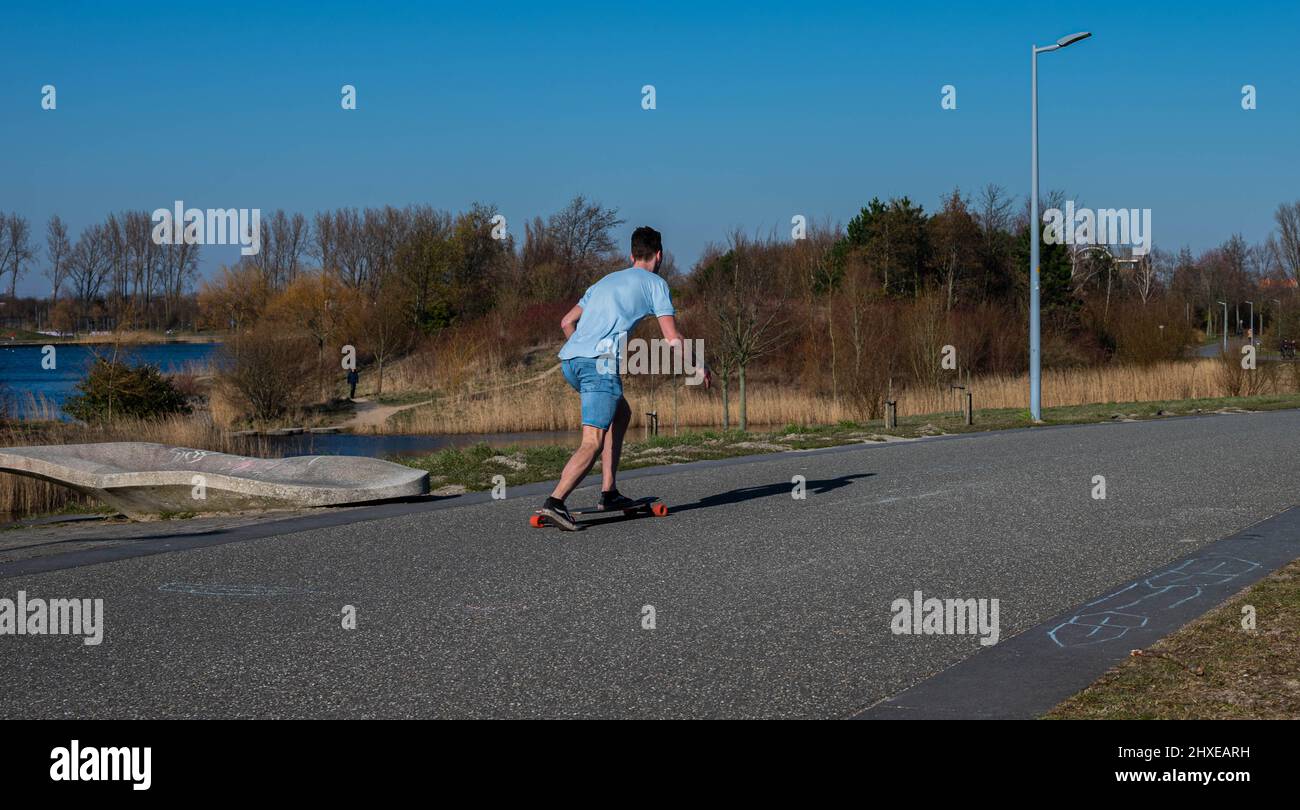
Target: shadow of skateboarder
[(783, 488)]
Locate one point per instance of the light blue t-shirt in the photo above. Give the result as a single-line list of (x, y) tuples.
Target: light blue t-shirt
[(612, 306)]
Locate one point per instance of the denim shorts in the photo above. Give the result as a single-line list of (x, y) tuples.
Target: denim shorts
[(600, 389)]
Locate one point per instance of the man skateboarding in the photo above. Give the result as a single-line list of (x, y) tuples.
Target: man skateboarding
[(589, 359)]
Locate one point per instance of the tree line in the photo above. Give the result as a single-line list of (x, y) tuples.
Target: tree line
[(112, 275), (852, 312), (847, 310)]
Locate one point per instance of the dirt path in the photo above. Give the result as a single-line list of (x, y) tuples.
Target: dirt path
[(369, 415)]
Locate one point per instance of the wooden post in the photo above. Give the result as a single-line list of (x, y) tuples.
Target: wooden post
[(891, 412)]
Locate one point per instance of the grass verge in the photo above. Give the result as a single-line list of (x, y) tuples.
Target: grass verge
[(473, 468), (1244, 674)]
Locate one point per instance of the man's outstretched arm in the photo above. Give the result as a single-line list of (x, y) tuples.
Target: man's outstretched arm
[(668, 325)]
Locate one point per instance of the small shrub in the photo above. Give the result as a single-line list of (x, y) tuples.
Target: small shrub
[(114, 390), (269, 371)]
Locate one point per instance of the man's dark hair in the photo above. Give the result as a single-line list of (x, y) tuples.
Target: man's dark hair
[(646, 242)]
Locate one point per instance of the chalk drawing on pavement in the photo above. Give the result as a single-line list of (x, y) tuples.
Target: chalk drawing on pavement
[(1111, 617)]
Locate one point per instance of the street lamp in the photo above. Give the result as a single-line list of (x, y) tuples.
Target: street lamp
[(1281, 324), (1035, 349), (1252, 322)]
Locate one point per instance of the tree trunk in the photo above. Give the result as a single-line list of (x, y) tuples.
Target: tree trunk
[(726, 401), (830, 331), (1105, 318), (744, 413), (320, 368)]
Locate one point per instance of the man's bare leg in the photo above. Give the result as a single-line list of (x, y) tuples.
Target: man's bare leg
[(580, 463), (613, 446)]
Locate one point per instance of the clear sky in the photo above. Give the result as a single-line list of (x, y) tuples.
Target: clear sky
[(764, 110)]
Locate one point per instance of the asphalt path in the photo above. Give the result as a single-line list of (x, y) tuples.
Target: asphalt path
[(763, 605)]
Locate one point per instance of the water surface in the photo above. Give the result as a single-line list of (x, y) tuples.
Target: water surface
[(22, 373)]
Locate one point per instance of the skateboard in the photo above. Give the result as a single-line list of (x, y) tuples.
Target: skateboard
[(647, 506)]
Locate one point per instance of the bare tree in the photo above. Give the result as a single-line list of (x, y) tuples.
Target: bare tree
[(872, 337), (179, 267), (314, 305), (734, 289), (16, 248), (291, 243), (322, 244), (583, 229), (88, 266), (378, 327), (341, 246), (284, 241), (995, 213), (118, 260), (1287, 244), (954, 237), (144, 259), (1146, 275), (995, 210), (385, 231), (57, 251), (268, 368)]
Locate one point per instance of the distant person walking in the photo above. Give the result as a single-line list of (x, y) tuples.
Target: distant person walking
[(353, 378)]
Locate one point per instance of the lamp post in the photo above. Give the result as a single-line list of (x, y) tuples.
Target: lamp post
[(1035, 348), (1281, 324), (1252, 323)]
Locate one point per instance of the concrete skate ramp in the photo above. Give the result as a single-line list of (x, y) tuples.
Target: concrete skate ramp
[(142, 479)]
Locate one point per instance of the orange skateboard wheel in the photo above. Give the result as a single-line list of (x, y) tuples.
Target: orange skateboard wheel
[(659, 509), (535, 521)]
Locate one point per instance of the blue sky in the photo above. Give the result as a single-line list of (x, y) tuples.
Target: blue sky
[(765, 110)]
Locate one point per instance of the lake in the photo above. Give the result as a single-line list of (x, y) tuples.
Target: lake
[(21, 371)]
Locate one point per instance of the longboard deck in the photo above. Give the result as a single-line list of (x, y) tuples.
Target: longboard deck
[(650, 506)]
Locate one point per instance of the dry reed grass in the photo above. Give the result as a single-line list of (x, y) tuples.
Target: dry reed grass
[(549, 404)]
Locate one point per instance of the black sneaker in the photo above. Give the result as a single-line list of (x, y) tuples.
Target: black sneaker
[(613, 501), (558, 514)]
